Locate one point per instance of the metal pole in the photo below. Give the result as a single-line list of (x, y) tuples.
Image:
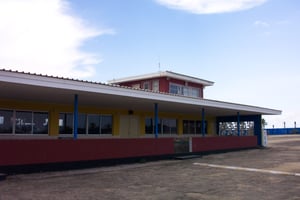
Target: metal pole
[(203, 123), (156, 120), (75, 116)]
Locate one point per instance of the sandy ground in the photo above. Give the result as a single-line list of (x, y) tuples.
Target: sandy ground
[(270, 173)]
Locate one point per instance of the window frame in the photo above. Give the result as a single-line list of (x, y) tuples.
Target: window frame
[(32, 122)]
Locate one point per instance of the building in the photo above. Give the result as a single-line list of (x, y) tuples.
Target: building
[(166, 82), (46, 119)]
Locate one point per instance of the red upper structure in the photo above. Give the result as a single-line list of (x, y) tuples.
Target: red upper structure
[(167, 82)]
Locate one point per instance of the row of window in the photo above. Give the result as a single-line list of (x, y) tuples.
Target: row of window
[(91, 124), (148, 85), (23, 122), (169, 126), (184, 90), (29, 122)]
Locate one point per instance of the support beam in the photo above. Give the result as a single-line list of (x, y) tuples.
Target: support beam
[(203, 123), (238, 124), (75, 118), (156, 120)]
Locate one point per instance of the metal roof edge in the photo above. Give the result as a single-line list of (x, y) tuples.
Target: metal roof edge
[(87, 86), (162, 74)]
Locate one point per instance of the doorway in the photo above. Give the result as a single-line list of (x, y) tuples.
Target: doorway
[(129, 126)]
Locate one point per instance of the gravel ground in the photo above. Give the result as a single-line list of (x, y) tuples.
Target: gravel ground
[(270, 173)]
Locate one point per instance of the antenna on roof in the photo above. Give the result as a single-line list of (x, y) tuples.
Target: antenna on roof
[(159, 63), (158, 66)]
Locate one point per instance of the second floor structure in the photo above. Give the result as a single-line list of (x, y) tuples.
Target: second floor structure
[(166, 82)]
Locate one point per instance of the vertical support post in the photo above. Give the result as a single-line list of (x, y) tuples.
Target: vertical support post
[(258, 129), (238, 124), (156, 120), (75, 118), (203, 123)]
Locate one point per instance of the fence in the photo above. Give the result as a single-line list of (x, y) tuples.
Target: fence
[(282, 131)]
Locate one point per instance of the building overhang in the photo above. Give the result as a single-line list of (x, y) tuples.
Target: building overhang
[(47, 89)]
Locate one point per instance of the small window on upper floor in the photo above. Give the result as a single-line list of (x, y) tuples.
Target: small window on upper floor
[(136, 86), (184, 90), (155, 85), (146, 85)]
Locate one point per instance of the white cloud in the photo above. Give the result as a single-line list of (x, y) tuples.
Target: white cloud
[(45, 37), (211, 6), (259, 23)]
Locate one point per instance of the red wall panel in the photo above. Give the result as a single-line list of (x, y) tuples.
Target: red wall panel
[(20, 152), (223, 143)]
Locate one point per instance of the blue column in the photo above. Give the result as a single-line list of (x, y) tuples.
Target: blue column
[(156, 120), (203, 123), (75, 118), (238, 124), (258, 129)]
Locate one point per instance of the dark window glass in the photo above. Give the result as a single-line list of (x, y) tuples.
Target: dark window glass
[(169, 126), (106, 124), (24, 122), (40, 123), (6, 121), (193, 127), (93, 124), (81, 123), (149, 126), (65, 123)]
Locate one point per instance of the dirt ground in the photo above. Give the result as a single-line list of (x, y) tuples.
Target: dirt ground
[(270, 173)]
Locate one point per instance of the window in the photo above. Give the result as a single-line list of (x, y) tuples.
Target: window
[(175, 89), (87, 124), (23, 122), (184, 90), (193, 127), (40, 123), (165, 126), (65, 123), (106, 124), (81, 123), (149, 126), (146, 86), (136, 86), (6, 121), (155, 85), (94, 124), (169, 126)]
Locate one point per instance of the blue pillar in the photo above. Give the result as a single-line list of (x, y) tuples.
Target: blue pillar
[(156, 120), (75, 122), (203, 123), (258, 129), (238, 124)]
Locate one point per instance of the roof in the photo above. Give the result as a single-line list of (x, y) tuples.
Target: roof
[(56, 90), (163, 74)]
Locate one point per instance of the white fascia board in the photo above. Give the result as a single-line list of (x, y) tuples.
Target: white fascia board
[(189, 78), (75, 85)]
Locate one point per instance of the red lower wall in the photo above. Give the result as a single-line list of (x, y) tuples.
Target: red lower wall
[(223, 143), (22, 152), (37, 151)]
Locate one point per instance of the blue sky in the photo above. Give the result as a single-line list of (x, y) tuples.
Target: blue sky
[(250, 49)]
